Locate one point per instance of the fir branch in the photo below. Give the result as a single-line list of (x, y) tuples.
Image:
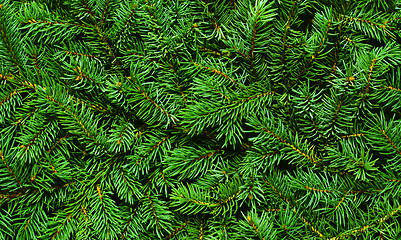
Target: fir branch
[(81, 54), (270, 154), (146, 96), (27, 223), (318, 190), (154, 211), (372, 24), (242, 54), (177, 230), (8, 97), (128, 19), (92, 105), (61, 227), (218, 92), (351, 41), (35, 137), (31, 113), (10, 48), (11, 171), (214, 52), (252, 224), (321, 43), (310, 158), (365, 228), (253, 41), (294, 209), (373, 62), (152, 149), (285, 36), (313, 119), (199, 202), (130, 190), (183, 38), (35, 59), (219, 73), (201, 231), (179, 86), (106, 8), (29, 85), (34, 21), (103, 208), (254, 97), (143, 56), (148, 9), (390, 141), (353, 135), (77, 119), (87, 9), (276, 191), (314, 55), (125, 229), (312, 227), (83, 75), (342, 200), (391, 88)]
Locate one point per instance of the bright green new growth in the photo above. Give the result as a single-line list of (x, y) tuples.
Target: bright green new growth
[(243, 119)]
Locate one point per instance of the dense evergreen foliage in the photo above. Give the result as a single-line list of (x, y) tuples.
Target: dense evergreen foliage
[(200, 119)]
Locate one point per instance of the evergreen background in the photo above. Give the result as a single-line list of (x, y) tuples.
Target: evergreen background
[(200, 119)]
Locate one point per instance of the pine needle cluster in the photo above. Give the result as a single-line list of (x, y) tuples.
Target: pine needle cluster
[(200, 119)]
